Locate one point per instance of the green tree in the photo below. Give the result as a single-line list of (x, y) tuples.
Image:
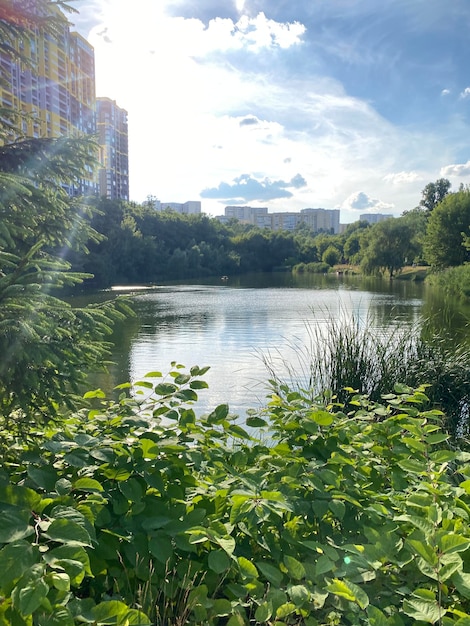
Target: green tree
[(447, 231), (434, 193), (388, 247), (331, 256), (46, 345)]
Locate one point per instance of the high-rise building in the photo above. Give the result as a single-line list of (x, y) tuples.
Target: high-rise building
[(55, 95), (111, 123), (321, 220), (374, 218)]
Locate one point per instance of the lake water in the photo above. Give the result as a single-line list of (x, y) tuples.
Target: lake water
[(234, 326)]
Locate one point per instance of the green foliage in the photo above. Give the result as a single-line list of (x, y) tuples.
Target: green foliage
[(454, 281), (311, 268), (138, 512), (447, 230), (46, 345), (345, 353), (434, 193), (388, 246), (331, 256)]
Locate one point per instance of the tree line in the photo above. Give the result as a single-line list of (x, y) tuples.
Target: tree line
[(139, 244)]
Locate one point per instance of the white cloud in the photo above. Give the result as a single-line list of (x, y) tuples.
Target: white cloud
[(200, 113), (361, 201), (458, 169), (401, 178), (445, 92), (465, 93)]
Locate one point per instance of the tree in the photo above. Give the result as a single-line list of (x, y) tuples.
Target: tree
[(388, 247), (448, 230), (46, 345), (434, 193), (331, 256)]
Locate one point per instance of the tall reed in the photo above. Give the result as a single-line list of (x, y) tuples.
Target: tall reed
[(352, 352)]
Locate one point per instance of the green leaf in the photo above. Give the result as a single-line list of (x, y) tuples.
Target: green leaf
[(63, 486), (294, 567), (68, 532), (226, 543), (271, 573), (21, 497), (323, 565), (222, 607), (110, 612), (160, 547), (412, 466), (349, 591), (285, 609), (14, 526), (87, 484), (322, 418), (264, 612), (247, 568), (28, 595), (165, 389), (60, 581), (198, 384), (60, 616), (15, 560), (299, 594), (218, 561), (376, 617), (133, 617), (218, 415), (256, 422), (453, 543), (424, 610)]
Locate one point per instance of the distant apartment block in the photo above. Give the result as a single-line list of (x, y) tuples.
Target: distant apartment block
[(56, 92), (374, 218), (191, 207), (111, 122), (258, 216), (319, 220)]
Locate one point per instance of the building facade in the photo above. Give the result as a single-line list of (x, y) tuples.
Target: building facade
[(191, 207), (54, 94), (111, 123), (319, 220), (374, 218)]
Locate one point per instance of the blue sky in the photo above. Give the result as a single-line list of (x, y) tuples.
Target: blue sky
[(347, 104)]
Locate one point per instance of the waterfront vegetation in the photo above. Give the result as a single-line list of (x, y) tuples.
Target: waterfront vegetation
[(316, 512), (141, 245), (343, 501)]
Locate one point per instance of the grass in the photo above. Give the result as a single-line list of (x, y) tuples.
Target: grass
[(352, 353)]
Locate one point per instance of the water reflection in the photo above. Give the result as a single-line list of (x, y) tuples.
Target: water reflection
[(233, 325)]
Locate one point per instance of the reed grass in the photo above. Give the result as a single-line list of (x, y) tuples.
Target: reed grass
[(351, 352)]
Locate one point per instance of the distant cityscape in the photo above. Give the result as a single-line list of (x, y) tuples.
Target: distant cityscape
[(56, 95)]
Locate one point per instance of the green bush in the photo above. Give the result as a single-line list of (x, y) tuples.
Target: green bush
[(312, 268), (138, 512), (454, 281)]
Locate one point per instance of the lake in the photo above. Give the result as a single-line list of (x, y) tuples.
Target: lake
[(235, 326)]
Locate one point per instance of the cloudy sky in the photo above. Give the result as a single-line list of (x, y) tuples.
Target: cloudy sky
[(289, 104)]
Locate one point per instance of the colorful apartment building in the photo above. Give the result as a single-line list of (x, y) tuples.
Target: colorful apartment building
[(111, 122), (55, 95)]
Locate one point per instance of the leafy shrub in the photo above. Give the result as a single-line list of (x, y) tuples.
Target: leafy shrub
[(454, 281), (137, 512), (317, 267)]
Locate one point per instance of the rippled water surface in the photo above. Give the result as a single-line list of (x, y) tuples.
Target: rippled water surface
[(234, 326)]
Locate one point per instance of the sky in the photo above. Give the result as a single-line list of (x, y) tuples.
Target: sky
[(287, 104)]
